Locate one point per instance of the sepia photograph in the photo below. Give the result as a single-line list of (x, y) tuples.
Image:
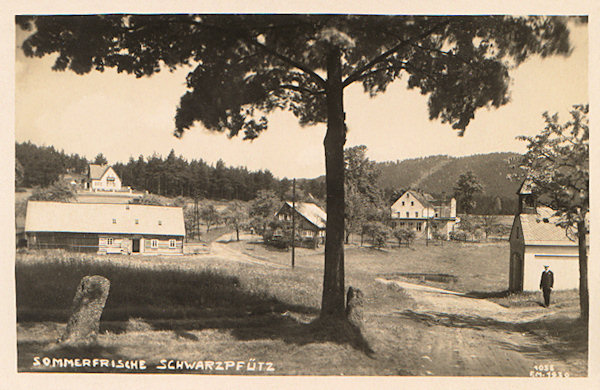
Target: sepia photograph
[(302, 194)]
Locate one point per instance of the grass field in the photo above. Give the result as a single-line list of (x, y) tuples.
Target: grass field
[(208, 308)]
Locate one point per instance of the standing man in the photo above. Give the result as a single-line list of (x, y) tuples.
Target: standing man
[(546, 284)]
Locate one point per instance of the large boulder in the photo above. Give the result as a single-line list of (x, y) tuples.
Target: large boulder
[(88, 305)]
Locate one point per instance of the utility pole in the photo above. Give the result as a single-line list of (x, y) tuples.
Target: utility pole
[(196, 217), (293, 222), (427, 227)]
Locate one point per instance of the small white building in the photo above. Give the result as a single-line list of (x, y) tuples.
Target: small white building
[(535, 241), (424, 214), (103, 178)]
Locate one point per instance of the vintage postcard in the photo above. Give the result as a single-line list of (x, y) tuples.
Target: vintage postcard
[(201, 196)]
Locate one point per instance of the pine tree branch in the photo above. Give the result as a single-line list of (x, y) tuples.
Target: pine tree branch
[(318, 79), (354, 76), (378, 70)]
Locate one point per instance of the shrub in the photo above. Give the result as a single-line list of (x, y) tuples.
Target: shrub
[(404, 236), (378, 233), (458, 235), (437, 235)]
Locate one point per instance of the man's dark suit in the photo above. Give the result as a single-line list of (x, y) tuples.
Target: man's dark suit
[(546, 284)]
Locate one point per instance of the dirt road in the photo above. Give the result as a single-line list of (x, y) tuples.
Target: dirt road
[(462, 336), (478, 337)]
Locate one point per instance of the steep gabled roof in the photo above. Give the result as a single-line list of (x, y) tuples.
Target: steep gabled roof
[(425, 198), (313, 213), (526, 187), (97, 171), (541, 229), (98, 218)]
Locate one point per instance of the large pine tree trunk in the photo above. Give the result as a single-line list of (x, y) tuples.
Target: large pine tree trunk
[(333, 304), (584, 299)]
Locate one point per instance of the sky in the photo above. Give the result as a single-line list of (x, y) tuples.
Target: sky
[(122, 116)]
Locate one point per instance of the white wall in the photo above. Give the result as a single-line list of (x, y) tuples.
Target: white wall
[(563, 261), (417, 207), (104, 184)]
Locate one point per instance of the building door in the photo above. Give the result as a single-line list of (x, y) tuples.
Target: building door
[(135, 245), (516, 274), (519, 272)]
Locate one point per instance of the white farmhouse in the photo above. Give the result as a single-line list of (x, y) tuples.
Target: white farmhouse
[(424, 214), (535, 241), (102, 178)]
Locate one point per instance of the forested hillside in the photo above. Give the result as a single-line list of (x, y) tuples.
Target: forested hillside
[(171, 176), (176, 176), (438, 175), (42, 165)]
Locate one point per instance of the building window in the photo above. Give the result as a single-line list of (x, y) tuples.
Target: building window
[(159, 222), (412, 203), (137, 221), (436, 215), (172, 244), (109, 241), (110, 178), (114, 220), (416, 214), (419, 225), (154, 243), (402, 203), (407, 215)]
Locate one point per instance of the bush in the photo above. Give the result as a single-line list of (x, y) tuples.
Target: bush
[(378, 233), (439, 236), (404, 236), (458, 235)]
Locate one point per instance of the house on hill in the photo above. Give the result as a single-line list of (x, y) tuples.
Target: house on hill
[(424, 214), (103, 185), (310, 219), (105, 228), (102, 178), (535, 241)]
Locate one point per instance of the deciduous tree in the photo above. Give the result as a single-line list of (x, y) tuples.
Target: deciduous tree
[(57, 192), (557, 163), (466, 187), (362, 196), (246, 66), (236, 216)]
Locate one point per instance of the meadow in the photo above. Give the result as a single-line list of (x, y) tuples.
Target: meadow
[(207, 307)]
